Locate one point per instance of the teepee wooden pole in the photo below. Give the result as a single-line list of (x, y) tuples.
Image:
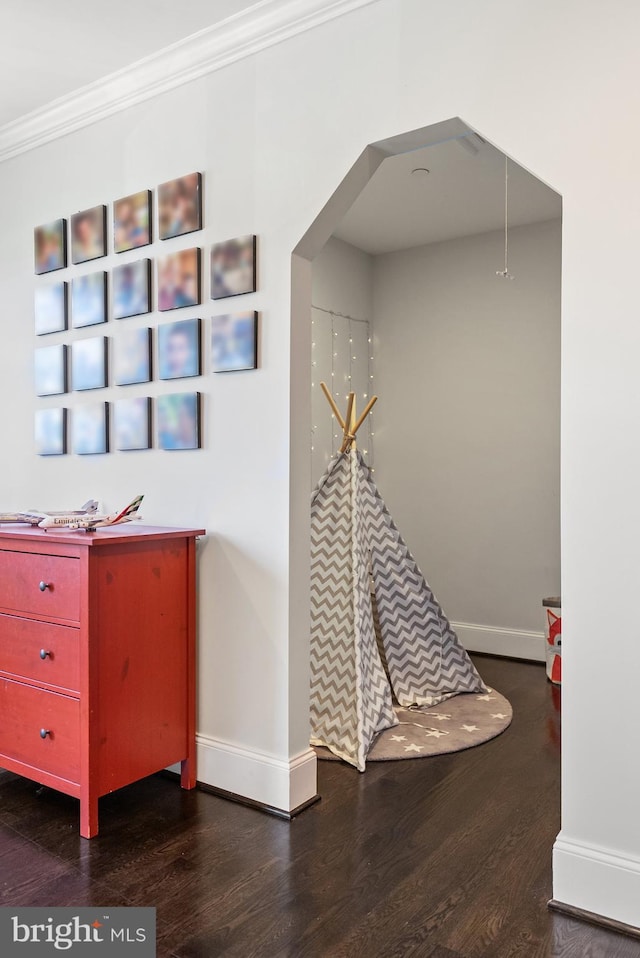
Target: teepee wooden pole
[(367, 410), (350, 424), (347, 437), (332, 403)]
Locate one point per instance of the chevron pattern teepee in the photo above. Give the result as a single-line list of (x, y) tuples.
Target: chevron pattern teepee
[(355, 545)]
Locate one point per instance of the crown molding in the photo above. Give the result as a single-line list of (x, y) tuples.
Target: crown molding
[(262, 25)]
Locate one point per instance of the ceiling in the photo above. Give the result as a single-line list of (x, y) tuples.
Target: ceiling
[(50, 49), (462, 195)]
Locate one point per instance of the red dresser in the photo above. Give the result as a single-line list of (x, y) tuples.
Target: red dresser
[(97, 657)]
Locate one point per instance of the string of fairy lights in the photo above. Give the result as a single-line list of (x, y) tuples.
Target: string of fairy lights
[(346, 371)]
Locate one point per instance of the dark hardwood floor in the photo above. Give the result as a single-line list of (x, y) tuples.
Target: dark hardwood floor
[(447, 857)]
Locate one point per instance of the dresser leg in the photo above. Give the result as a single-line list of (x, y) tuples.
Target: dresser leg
[(188, 772), (89, 817)]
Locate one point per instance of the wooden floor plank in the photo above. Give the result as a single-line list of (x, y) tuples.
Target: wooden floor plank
[(446, 857)]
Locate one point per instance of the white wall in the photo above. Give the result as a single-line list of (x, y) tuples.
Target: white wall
[(556, 86), (468, 426), (341, 347), (342, 280), (237, 486)]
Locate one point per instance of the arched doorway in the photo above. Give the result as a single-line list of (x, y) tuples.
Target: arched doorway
[(467, 435)]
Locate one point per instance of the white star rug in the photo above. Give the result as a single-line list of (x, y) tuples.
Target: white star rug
[(461, 722)]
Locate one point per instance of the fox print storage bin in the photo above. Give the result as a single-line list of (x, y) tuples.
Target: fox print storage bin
[(553, 635)]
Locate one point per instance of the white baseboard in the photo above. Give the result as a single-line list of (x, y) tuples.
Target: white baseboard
[(596, 880), (279, 783), (495, 641)]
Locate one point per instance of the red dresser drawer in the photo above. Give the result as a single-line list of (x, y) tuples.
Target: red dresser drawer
[(21, 578), (24, 712), (31, 650)]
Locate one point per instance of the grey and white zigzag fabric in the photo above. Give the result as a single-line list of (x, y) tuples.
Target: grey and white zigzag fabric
[(425, 660), (355, 541), (350, 695)]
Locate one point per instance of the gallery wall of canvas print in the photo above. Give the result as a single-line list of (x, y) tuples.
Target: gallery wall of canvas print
[(234, 342), (233, 267), (50, 246), (79, 302), (179, 349), (179, 279), (89, 234), (180, 206), (50, 368), (50, 432), (132, 423), (179, 421), (132, 357), (50, 307), (132, 221), (89, 363), (89, 427), (131, 290), (89, 300)]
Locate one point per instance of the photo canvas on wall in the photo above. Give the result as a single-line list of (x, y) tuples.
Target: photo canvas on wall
[(50, 246), (179, 279), (89, 363), (50, 307), (234, 342), (89, 426), (89, 234), (132, 423), (51, 432), (132, 357), (89, 300), (179, 349), (50, 368), (179, 421), (132, 289), (180, 206), (132, 221), (233, 267)]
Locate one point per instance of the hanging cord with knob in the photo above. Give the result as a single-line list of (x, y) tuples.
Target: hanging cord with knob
[(504, 273)]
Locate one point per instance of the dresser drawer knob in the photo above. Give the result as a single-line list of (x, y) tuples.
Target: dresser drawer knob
[(43, 586), (44, 732), (44, 653)]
